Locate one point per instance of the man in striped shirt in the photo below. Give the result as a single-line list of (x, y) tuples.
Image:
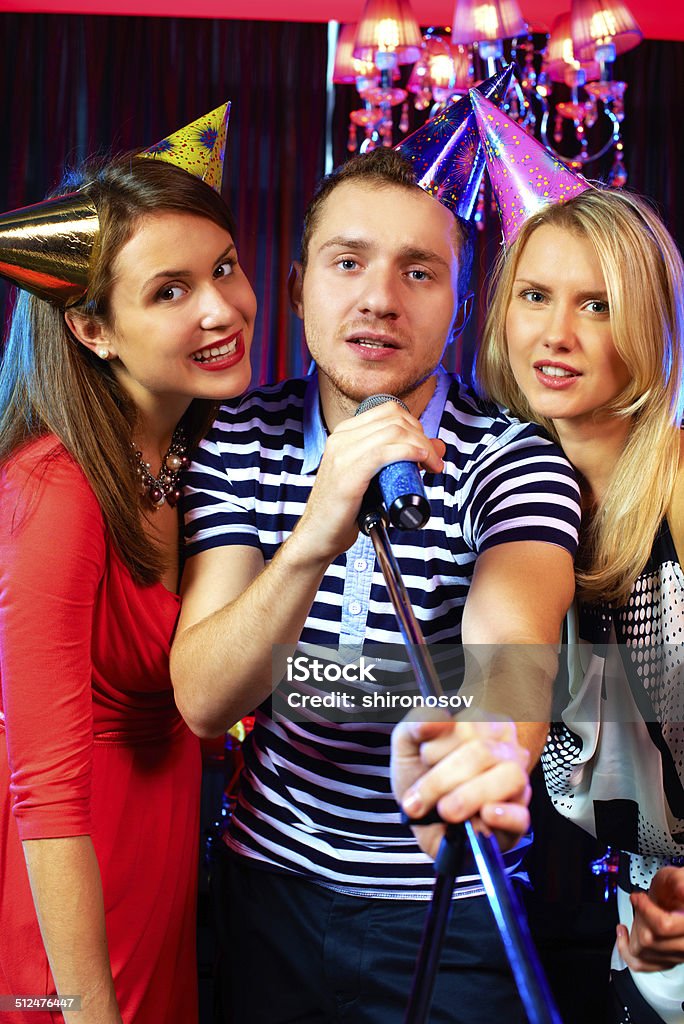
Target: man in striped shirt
[(328, 886)]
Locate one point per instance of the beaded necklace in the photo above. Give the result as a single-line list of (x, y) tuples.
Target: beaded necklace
[(163, 488)]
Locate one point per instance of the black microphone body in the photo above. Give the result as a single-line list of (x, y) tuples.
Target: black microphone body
[(400, 483)]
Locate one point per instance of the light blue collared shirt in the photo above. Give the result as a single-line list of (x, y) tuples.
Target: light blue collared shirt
[(361, 555)]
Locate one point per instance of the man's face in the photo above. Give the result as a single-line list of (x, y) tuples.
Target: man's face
[(379, 295)]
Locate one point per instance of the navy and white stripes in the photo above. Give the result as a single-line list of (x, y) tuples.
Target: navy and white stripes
[(315, 797)]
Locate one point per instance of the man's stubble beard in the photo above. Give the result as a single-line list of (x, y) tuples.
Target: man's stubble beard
[(348, 393)]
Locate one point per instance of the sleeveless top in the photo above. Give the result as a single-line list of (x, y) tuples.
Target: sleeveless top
[(614, 764)]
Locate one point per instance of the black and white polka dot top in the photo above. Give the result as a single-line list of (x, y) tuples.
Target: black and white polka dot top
[(615, 763)]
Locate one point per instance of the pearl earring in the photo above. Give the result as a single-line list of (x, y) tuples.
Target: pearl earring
[(103, 353)]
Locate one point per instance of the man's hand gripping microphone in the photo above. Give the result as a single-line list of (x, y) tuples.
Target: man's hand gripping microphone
[(398, 486)]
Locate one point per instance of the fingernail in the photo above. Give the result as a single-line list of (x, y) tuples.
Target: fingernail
[(413, 803), (499, 811)]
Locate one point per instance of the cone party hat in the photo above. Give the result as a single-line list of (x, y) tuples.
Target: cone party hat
[(199, 148), (47, 249), (446, 153), (525, 177)]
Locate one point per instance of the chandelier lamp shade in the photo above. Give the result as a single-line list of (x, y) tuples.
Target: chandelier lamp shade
[(347, 69), (487, 21), (388, 28), (560, 59), (578, 56), (603, 24)]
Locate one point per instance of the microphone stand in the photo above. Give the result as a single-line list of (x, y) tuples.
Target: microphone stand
[(527, 971)]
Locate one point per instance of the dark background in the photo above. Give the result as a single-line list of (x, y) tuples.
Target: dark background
[(75, 85)]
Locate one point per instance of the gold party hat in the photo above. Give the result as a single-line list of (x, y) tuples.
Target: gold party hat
[(47, 248), (199, 148)]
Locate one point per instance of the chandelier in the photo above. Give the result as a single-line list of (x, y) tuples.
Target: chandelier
[(565, 91)]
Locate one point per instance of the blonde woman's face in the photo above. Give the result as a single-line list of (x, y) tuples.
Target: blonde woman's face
[(558, 329)]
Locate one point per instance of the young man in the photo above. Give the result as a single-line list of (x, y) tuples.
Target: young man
[(328, 887)]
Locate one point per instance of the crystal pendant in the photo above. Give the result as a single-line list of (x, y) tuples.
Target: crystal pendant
[(617, 176), (403, 121)]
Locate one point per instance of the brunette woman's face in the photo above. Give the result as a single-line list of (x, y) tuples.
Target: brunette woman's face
[(558, 329), (181, 311)]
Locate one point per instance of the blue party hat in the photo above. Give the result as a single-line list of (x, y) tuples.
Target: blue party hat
[(446, 152)]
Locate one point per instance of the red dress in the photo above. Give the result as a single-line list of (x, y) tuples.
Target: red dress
[(94, 743)]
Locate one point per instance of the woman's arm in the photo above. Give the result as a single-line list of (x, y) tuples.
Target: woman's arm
[(52, 553), (67, 892), (656, 939)]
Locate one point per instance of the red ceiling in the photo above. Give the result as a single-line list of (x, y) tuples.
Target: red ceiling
[(663, 20)]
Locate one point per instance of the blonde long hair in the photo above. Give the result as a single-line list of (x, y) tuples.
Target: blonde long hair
[(644, 278)]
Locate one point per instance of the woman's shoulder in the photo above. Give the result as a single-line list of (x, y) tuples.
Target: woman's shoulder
[(42, 471), (28, 456)]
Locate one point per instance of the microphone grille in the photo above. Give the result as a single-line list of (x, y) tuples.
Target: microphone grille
[(373, 400)]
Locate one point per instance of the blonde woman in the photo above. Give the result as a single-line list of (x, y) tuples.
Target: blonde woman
[(584, 335)]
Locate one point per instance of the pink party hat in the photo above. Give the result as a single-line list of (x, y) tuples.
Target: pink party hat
[(446, 153), (199, 148), (525, 177)]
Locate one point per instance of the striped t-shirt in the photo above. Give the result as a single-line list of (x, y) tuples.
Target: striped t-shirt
[(315, 795)]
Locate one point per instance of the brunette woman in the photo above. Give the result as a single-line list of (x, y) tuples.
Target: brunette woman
[(108, 381)]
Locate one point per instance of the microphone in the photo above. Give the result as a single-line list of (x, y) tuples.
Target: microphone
[(400, 483)]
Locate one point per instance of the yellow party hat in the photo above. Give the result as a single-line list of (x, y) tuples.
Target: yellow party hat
[(199, 148)]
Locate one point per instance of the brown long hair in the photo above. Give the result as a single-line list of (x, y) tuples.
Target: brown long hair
[(51, 384), (644, 278)]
